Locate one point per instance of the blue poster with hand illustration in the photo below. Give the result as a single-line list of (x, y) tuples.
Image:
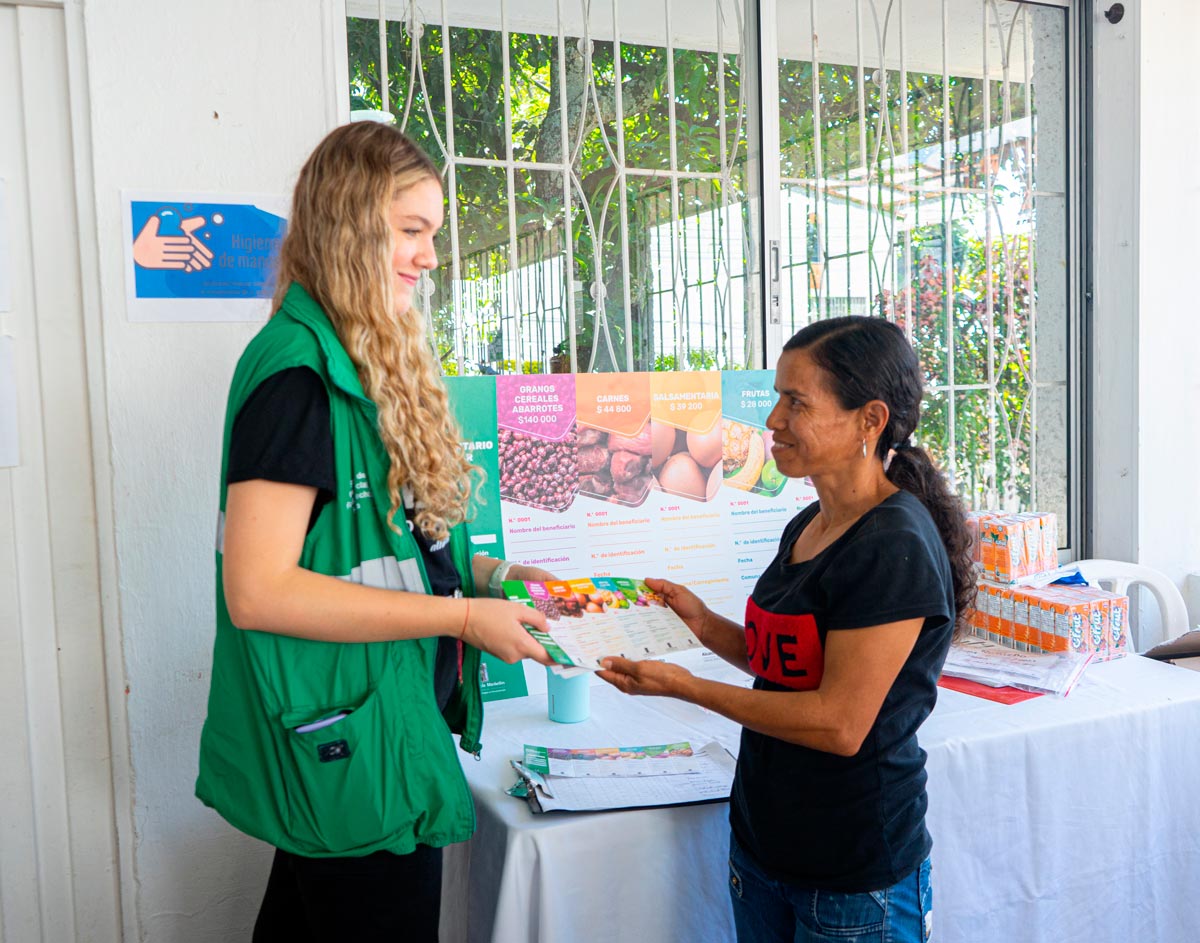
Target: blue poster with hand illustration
[(201, 258)]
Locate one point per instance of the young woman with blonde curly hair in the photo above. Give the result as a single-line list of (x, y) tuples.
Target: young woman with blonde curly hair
[(348, 641)]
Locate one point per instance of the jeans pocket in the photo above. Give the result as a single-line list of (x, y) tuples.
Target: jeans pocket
[(925, 890), (735, 880), (850, 915)]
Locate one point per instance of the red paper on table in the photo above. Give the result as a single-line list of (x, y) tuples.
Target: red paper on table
[(1002, 695)]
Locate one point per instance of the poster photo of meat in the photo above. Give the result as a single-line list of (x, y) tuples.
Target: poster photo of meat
[(613, 436), (537, 440), (685, 434)]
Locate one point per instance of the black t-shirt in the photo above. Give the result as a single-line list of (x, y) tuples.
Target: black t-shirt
[(848, 824), (282, 433)]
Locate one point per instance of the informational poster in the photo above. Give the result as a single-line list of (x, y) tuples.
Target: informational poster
[(200, 257), (634, 475)]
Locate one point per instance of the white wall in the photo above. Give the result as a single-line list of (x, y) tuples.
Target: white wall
[(1169, 310), (223, 95), (1147, 333)]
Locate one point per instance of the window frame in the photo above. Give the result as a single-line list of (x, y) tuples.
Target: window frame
[(763, 262)]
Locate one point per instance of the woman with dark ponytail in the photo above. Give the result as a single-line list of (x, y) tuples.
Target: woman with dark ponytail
[(845, 634)]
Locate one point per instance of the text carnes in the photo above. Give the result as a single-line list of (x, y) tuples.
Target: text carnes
[(784, 649)]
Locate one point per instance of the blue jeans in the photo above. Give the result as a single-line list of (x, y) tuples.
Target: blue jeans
[(770, 911)]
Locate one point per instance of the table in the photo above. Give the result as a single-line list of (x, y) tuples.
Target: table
[(1053, 820)]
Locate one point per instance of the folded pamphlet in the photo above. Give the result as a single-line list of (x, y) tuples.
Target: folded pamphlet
[(607, 778), (590, 619)]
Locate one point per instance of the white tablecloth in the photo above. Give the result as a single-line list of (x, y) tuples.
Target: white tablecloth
[(1053, 820)]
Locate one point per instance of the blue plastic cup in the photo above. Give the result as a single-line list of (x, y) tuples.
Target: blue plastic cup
[(568, 699)]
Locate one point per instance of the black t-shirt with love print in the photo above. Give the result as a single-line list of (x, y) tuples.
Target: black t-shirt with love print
[(815, 819)]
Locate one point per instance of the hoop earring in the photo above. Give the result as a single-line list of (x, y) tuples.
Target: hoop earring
[(864, 448)]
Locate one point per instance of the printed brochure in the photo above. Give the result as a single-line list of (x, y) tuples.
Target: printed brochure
[(590, 619), (598, 779)]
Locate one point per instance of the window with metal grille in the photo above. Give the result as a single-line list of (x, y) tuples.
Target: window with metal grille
[(682, 184)]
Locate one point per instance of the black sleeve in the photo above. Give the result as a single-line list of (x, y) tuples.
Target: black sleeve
[(885, 575), (282, 433)]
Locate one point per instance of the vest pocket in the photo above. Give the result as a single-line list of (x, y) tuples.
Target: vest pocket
[(345, 788)]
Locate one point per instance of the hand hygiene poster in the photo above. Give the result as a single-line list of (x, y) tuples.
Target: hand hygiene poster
[(629, 475), (194, 257)]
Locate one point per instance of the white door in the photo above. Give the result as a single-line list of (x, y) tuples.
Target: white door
[(58, 849)]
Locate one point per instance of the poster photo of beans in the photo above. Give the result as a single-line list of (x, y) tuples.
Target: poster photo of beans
[(614, 446), (539, 452)]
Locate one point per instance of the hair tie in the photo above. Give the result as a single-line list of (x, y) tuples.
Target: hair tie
[(902, 446)]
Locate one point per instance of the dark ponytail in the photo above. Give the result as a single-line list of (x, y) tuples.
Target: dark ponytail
[(868, 359)]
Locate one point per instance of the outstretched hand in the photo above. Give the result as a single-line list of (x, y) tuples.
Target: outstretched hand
[(497, 627), (683, 602), (645, 677)]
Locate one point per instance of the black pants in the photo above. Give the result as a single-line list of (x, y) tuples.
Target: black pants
[(379, 897)]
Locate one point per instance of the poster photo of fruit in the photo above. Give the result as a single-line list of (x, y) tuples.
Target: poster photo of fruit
[(746, 463), (745, 459), (537, 439), (685, 434), (613, 437)]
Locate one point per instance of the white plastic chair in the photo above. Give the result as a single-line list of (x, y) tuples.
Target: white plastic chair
[(1117, 576)]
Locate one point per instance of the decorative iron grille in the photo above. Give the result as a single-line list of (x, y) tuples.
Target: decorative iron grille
[(601, 166)]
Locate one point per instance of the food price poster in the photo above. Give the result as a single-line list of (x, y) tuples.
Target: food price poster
[(626, 474)]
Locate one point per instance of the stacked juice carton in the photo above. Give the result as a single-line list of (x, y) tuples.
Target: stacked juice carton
[(1011, 548)]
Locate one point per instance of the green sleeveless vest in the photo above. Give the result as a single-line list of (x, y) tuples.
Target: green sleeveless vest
[(385, 777)]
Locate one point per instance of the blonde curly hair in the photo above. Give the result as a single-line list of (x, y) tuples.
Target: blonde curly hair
[(338, 248)]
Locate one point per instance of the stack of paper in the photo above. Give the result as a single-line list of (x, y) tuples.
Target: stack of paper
[(596, 779), (999, 666)]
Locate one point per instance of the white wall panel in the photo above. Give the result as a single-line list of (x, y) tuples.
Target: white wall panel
[(58, 853)]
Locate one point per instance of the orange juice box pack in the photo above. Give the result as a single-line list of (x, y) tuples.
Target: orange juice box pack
[(1053, 623), (1084, 621), (975, 521), (1052, 619), (975, 624), (995, 631), (1001, 540), (1022, 630), (1119, 623), (1017, 545), (1107, 637), (1070, 620)]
